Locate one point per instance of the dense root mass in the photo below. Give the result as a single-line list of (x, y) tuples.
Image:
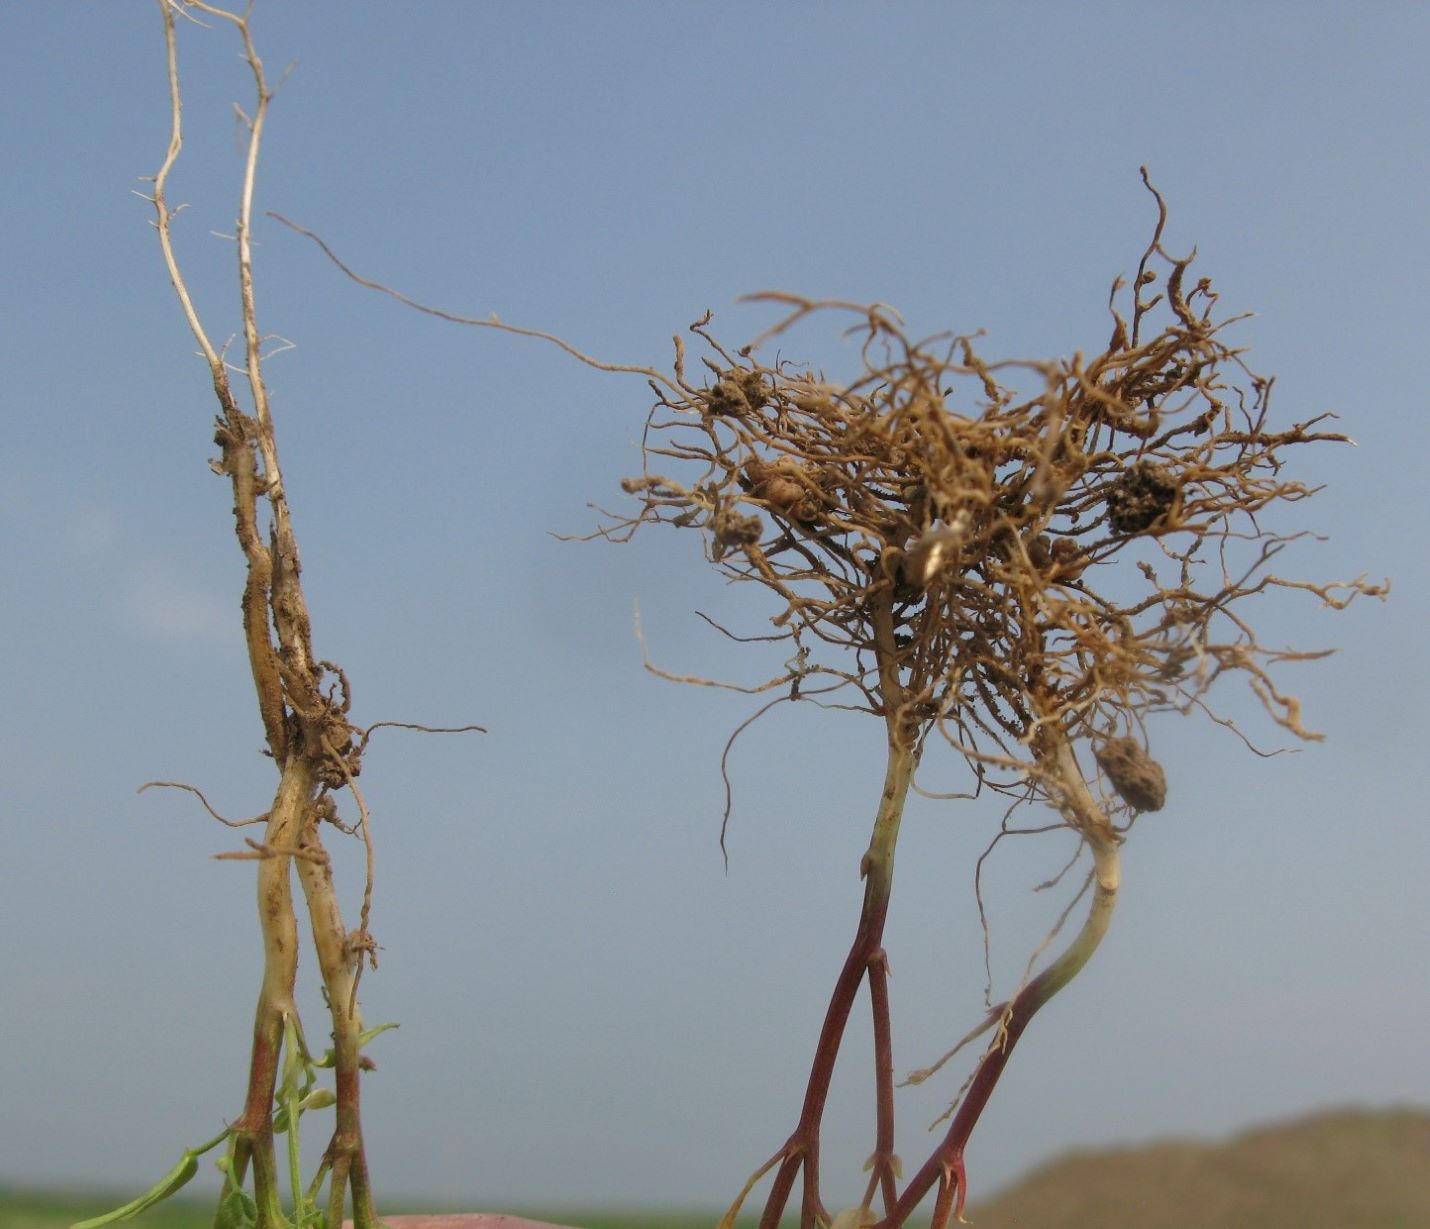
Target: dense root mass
[(1067, 554)]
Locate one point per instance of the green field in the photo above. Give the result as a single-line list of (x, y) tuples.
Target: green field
[(41, 1210), (1336, 1169)]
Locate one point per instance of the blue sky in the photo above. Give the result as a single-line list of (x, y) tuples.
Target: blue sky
[(593, 1010)]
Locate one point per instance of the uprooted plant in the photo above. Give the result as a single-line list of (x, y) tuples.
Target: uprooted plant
[(1022, 576), (304, 703)]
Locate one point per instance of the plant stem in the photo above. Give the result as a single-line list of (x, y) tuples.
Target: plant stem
[(883, 1165), (946, 1165), (279, 925), (297, 717), (339, 966), (866, 957)]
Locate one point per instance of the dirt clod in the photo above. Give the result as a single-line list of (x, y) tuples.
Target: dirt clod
[(734, 530), (1145, 494), (742, 392), (1135, 775)]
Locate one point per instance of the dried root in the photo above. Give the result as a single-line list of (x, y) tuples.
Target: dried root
[(1075, 554)]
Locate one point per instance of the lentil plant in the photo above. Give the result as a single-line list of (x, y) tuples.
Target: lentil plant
[(1021, 577)]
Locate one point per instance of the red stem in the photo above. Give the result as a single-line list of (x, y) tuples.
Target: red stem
[(947, 1158), (884, 1164), (946, 1163), (803, 1145)]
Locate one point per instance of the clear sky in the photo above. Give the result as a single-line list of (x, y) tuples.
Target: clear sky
[(593, 1010)]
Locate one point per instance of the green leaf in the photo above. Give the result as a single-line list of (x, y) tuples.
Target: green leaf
[(236, 1211), (296, 1075), (175, 1180), (367, 1035), (319, 1099), (329, 1059)]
